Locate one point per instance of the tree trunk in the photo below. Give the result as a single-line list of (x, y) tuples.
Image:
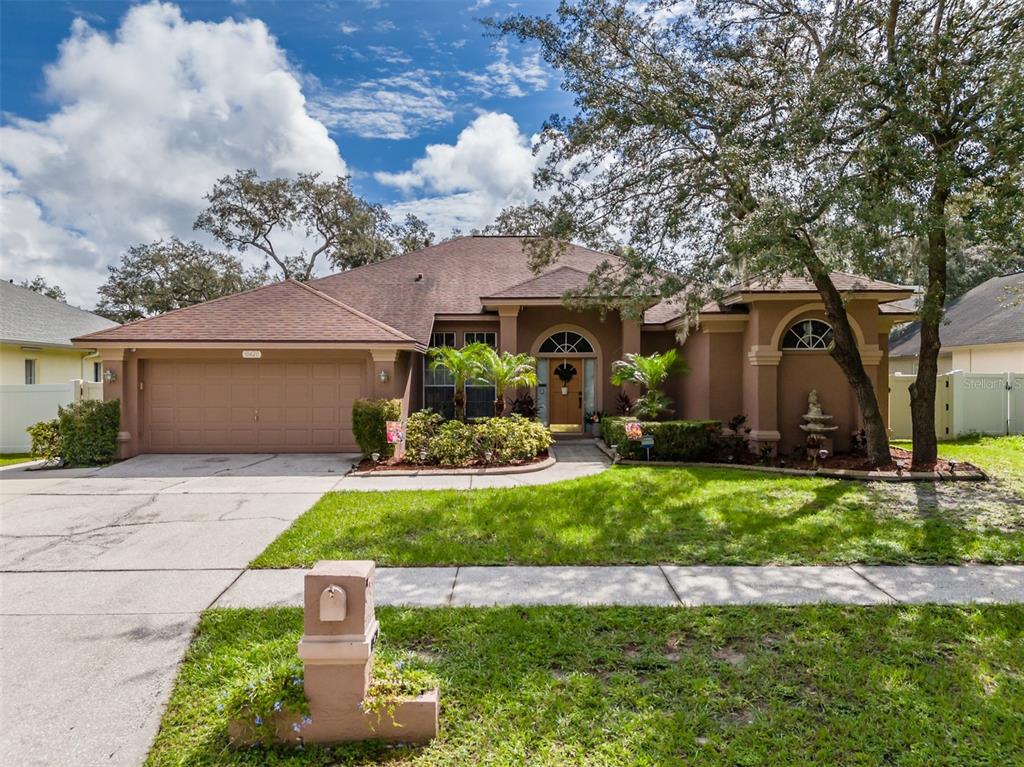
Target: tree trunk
[(460, 405), (847, 355), (922, 390), (499, 405)]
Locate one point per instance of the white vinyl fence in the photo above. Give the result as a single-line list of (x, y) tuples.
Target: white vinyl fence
[(965, 403), (24, 405)]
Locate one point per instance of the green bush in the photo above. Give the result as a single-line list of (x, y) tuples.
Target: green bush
[(452, 443), (369, 417), (420, 430), (88, 431), (673, 440), (45, 440)]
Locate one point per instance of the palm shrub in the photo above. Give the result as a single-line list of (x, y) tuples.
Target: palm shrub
[(506, 371), (649, 372), (463, 365)]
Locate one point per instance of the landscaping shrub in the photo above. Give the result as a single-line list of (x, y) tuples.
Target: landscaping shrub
[(87, 432), (45, 440), (673, 440), (420, 430), (368, 424), (453, 443)]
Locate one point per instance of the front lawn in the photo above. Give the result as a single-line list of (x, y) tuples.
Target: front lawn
[(653, 686), (1003, 457), (9, 459), (657, 515)]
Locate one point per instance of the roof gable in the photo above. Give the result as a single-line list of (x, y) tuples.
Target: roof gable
[(990, 313), (553, 284), (31, 318), (286, 311)]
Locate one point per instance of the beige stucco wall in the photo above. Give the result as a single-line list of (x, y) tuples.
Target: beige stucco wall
[(994, 358), (53, 366)]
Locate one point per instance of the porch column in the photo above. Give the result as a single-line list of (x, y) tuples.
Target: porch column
[(630, 345), (508, 331), (761, 396), (119, 381), (385, 385)]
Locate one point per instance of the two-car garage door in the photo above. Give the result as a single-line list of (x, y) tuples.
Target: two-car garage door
[(250, 406)]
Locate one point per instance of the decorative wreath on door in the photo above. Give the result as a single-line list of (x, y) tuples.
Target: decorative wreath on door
[(565, 372)]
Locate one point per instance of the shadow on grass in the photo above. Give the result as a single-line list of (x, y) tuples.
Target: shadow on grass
[(632, 515), (717, 686)]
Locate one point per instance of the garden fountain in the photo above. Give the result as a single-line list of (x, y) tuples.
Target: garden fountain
[(818, 428)]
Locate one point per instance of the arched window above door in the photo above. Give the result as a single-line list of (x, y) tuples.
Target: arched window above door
[(808, 334), (566, 342)]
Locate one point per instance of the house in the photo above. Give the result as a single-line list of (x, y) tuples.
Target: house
[(38, 361), (982, 332), (277, 368)]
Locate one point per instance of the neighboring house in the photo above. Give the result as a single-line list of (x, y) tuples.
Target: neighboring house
[(38, 360), (277, 368), (982, 332)]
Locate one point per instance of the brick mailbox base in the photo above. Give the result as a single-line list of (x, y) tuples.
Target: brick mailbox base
[(340, 630)]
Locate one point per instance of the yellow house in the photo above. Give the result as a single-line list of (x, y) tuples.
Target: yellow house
[(38, 361)]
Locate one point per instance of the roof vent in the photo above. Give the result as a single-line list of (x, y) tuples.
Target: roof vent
[(418, 278)]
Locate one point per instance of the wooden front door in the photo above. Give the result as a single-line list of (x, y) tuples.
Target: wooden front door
[(565, 393)]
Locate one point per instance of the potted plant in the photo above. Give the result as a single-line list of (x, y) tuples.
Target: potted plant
[(592, 421)]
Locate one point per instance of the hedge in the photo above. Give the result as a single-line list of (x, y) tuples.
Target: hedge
[(83, 434), (369, 418), (431, 440), (673, 440)]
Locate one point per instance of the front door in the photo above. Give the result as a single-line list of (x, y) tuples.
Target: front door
[(565, 394)]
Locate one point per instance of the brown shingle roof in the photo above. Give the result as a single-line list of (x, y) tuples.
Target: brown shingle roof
[(448, 278), (798, 283), (553, 284), (281, 312)]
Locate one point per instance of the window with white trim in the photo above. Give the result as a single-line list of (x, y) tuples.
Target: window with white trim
[(97, 372), (30, 372), (566, 342), (438, 385), (480, 397), (808, 334)]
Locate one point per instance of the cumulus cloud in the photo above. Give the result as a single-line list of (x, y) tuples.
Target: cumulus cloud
[(145, 121), (465, 184), (504, 77), (395, 107)]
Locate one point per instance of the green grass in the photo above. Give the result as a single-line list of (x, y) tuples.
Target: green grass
[(764, 686), (9, 459), (1003, 457), (648, 515)]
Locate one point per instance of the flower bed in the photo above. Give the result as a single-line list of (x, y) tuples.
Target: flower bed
[(432, 442)]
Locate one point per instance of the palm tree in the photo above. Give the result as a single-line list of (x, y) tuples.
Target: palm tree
[(649, 372), (462, 365), (506, 371)]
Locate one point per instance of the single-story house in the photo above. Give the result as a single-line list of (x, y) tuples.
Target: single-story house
[(982, 332), (38, 361), (277, 368)]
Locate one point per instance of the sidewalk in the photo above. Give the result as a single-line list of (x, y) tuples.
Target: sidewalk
[(666, 585)]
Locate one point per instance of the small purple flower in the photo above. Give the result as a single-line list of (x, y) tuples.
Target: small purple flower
[(297, 727), (400, 665), (307, 720), (360, 705), (296, 681), (258, 720), (277, 705)]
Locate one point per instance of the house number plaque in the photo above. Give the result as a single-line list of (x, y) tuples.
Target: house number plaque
[(251, 354)]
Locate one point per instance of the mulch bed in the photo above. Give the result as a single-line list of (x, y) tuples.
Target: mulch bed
[(901, 458), (393, 464)]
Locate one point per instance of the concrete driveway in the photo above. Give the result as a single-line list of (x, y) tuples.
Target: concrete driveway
[(103, 574)]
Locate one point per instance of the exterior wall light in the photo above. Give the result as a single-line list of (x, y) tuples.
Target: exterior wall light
[(384, 376), (109, 375)]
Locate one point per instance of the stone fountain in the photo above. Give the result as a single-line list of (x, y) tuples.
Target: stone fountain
[(818, 427)]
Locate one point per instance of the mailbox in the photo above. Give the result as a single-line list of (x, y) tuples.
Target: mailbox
[(333, 604)]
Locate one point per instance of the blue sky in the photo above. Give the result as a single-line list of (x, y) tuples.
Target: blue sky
[(116, 116)]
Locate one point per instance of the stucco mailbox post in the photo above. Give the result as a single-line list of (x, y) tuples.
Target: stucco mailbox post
[(339, 633)]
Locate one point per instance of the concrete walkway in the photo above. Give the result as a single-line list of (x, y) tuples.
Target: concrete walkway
[(665, 585)]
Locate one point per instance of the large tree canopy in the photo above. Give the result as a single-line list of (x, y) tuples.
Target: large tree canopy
[(748, 137), (246, 212), (171, 274), (41, 286)]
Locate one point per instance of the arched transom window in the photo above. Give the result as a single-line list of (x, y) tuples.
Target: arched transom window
[(808, 334), (566, 342)]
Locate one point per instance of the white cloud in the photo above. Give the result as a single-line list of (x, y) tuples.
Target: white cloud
[(395, 107), (389, 54), (503, 77), (348, 28), (479, 4), (146, 121), (385, 26), (465, 184)]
